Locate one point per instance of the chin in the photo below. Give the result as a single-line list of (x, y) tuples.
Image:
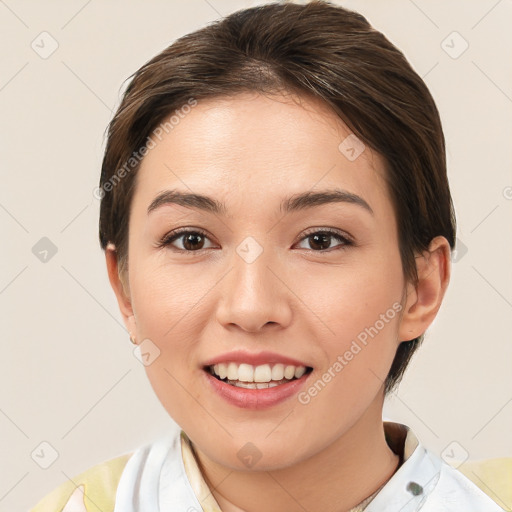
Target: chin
[(254, 451)]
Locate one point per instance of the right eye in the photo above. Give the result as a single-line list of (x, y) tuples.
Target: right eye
[(191, 240)]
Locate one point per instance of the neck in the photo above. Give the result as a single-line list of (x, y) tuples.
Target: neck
[(320, 483)]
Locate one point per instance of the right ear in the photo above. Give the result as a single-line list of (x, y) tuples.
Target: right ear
[(122, 295)]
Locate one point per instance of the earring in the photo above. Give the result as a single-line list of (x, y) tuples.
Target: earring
[(132, 339)]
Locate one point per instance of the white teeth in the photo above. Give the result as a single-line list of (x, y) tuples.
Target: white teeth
[(222, 370), (246, 373), (247, 385), (278, 371), (289, 372), (232, 371), (263, 374), (299, 371), (254, 385)]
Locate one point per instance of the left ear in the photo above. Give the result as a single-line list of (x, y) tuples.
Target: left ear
[(424, 300)]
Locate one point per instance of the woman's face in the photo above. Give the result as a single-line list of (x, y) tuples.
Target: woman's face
[(266, 281)]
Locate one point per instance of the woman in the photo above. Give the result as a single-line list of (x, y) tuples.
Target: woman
[(277, 226)]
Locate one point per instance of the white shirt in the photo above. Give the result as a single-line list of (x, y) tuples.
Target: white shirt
[(164, 477)]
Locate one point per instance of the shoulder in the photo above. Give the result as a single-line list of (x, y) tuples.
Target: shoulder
[(94, 489), (483, 485), (493, 477), (480, 485)]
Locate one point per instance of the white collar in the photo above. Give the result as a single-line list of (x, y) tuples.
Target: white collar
[(155, 480)]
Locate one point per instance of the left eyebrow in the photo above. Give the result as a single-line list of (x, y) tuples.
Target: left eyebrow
[(311, 199), (294, 203)]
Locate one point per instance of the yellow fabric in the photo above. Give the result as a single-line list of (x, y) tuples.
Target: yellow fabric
[(493, 476), (199, 486), (96, 488)]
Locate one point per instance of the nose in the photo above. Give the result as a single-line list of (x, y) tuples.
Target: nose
[(254, 295)]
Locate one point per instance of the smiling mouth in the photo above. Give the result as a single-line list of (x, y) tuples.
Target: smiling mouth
[(257, 377)]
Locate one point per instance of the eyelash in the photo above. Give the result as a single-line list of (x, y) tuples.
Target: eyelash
[(175, 235)]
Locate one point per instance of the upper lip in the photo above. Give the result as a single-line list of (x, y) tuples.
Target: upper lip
[(255, 358)]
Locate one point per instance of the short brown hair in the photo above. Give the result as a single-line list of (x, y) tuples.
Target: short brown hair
[(316, 49)]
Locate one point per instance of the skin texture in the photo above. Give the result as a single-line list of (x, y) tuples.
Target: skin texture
[(251, 151)]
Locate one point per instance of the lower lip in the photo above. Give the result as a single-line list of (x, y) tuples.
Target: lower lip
[(255, 398)]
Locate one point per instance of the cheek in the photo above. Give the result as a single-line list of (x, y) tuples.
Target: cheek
[(167, 300), (168, 312), (358, 311), (364, 318), (350, 299), (167, 309)]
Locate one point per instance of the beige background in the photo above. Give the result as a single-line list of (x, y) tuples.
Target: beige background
[(68, 375)]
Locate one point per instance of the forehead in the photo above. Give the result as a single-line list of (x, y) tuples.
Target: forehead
[(255, 146)]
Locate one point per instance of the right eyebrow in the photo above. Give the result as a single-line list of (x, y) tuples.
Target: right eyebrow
[(189, 200)]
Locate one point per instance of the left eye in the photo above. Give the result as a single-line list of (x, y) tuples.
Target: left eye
[(321, 240)]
